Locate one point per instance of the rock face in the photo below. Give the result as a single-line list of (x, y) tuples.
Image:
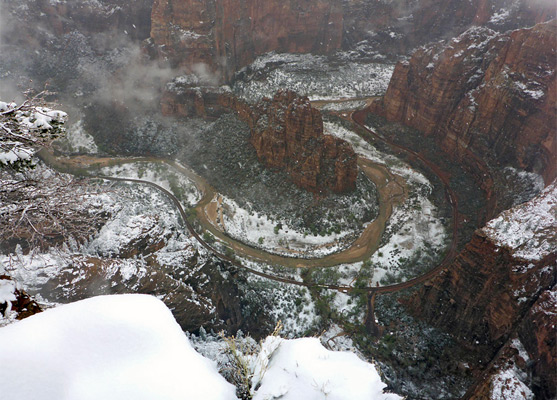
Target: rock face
[(288, 134), (113, 17), (227, 35), (492, 94), (494, 285), (20, 302), (401, 26)]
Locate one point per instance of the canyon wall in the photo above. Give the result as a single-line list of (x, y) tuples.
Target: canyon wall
[(226, 35), (401, 26), (131, 18), (493, 94), (499, 286)]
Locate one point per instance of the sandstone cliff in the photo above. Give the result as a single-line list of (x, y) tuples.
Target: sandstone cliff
[(401, 26), (494, 285), (288, 134), (495, 95), (226, 35)]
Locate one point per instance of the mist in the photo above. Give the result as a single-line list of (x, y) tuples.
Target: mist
[(104, 80)]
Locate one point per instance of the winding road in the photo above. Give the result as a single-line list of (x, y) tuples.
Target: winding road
[(390, 190)]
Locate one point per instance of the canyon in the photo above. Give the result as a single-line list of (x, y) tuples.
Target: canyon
[(489, 100), (480, 81)]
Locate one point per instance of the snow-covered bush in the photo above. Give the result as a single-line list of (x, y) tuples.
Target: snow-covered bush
[(25, 128)]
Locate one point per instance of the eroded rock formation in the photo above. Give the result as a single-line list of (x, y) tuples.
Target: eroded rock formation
[(288, 134), (227, 35), (495, 95)]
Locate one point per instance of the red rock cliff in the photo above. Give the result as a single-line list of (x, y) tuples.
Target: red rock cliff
[(493, 94), (495, 285), (228, 34), (288, 134)]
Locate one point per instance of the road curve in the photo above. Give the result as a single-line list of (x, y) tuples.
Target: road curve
[(358, 118)]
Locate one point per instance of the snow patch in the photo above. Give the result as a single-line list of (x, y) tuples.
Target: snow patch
[(304, 369), (530, 229)]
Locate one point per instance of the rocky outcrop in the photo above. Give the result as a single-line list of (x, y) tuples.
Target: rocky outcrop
[(537, 334), (497, 285), (493, 95), (14, 299), (526, 366), (288, 134)]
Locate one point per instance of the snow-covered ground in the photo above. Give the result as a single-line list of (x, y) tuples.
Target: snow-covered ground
[(529, 230), (292, 305), (507, 384), (276, 236), (160, 173), (304, 369), (317, 77), (130, 346), (77, 140), (296, 368), (136, 212), (414, 227)]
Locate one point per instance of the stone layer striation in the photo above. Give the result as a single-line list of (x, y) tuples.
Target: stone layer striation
[(494, 95)]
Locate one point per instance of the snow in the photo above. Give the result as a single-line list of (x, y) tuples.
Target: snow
[(7, 294), (533, 93), (500, 16), (15, 153), (297, 368), (78, 140), (41, 118), (508, 385), (19, 127), (314, 76), (259, 231), (107, 347), (304, 369), (530, 229)]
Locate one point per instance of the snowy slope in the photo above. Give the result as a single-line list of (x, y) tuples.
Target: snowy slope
[(108, 347), (530, 229), (304, 369)]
